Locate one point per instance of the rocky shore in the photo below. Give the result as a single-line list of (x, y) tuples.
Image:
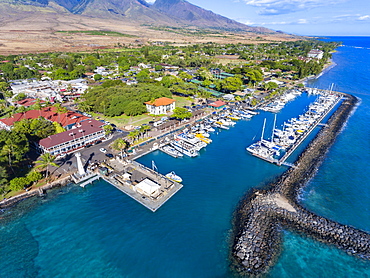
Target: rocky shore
[(34, 192), (263, 214)]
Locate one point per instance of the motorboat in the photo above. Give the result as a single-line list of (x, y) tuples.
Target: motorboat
[(172, 176)]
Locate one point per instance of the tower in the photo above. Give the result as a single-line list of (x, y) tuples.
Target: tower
[(80, 167)]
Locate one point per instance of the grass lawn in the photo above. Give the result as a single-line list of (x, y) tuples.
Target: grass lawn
[(123, 120), (182, 101)]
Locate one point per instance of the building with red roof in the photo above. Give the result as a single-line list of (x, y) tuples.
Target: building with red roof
[(66, 120), (160, 106), (217, 104), (27, 102), (82, 134)]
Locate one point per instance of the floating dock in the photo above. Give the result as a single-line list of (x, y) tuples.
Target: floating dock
[(282, 160)]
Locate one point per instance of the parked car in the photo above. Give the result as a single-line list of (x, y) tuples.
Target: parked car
[(103, 150), (109, 155)]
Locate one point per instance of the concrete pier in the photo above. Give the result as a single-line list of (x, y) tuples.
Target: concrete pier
[(263, 214)]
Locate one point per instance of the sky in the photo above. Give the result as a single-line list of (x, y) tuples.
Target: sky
[(301, 17)]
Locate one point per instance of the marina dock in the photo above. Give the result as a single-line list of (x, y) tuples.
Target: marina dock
[(318, 122), (282, 160)]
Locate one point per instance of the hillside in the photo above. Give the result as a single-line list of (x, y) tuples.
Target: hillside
[(34, 26)]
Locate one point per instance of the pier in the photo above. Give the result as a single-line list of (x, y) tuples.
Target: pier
[(262, 215), (146, 186), (282, 160), (318, 122)]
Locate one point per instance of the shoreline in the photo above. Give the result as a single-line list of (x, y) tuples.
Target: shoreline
[(263, 214), (40, 191)]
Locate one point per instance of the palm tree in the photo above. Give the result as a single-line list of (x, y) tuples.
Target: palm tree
[(143, 129), (45, 161), (132, 135), (120, 145)]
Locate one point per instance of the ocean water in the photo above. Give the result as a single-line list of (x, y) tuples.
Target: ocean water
[(97, 231)]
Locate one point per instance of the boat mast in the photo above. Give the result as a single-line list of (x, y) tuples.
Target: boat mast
[(273, 129), (263, 128), (154, 167)]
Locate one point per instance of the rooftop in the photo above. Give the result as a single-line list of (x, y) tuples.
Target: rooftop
[(163, 101)]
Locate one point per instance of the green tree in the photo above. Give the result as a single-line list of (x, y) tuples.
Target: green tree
[(231, 83), (46, 160), (3, 179), (185, 76), (97, 76), (34, 176), (181, 113), (270, 86), (58, 128), (108, 129), (18, 183), (133, 135), (120, 144)]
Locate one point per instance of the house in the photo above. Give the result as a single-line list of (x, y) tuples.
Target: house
[(160, 106), (316, 54), (82, 134)]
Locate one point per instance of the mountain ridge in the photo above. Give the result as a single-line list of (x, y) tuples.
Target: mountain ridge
[(162, 12)]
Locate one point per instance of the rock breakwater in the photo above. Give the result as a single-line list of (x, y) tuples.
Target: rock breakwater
[(263, 214)]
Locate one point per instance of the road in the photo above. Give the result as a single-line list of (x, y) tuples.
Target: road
[(88, 155)]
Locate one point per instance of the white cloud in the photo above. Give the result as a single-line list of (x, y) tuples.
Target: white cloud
[(150, 1), (246, 21), (364, 17), (302, 21), (294, 22), (275, 7)]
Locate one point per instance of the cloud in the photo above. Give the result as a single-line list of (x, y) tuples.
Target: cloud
[(294, 22), (276, 7), (302, 21), (364, 17)]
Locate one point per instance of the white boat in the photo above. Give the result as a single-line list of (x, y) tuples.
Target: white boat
[(174, 177), (191, 139), (171, 151), (184, 147)]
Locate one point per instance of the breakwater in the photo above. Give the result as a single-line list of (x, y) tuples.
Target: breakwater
[(263, 214)]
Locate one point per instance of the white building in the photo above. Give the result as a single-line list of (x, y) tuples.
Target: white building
[(316, 54), (160, 106)]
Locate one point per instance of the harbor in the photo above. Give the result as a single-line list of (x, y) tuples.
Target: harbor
[(284, 142), (258, 220), (152, 189)]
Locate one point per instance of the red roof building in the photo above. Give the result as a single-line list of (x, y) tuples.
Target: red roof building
[(27, 102), (82, 134), (67, 120), (217, 104)]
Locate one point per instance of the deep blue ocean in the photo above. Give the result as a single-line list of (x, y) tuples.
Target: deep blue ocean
[(97, 231)]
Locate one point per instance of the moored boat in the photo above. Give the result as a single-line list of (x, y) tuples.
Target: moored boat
[(172, 176)]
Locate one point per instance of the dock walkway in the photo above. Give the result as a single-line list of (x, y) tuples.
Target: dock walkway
[(307, 133)]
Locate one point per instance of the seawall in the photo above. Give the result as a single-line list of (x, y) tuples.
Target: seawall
[(34, 192), (263, 214)]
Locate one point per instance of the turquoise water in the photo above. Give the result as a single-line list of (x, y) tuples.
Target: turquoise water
[(100, 232)]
